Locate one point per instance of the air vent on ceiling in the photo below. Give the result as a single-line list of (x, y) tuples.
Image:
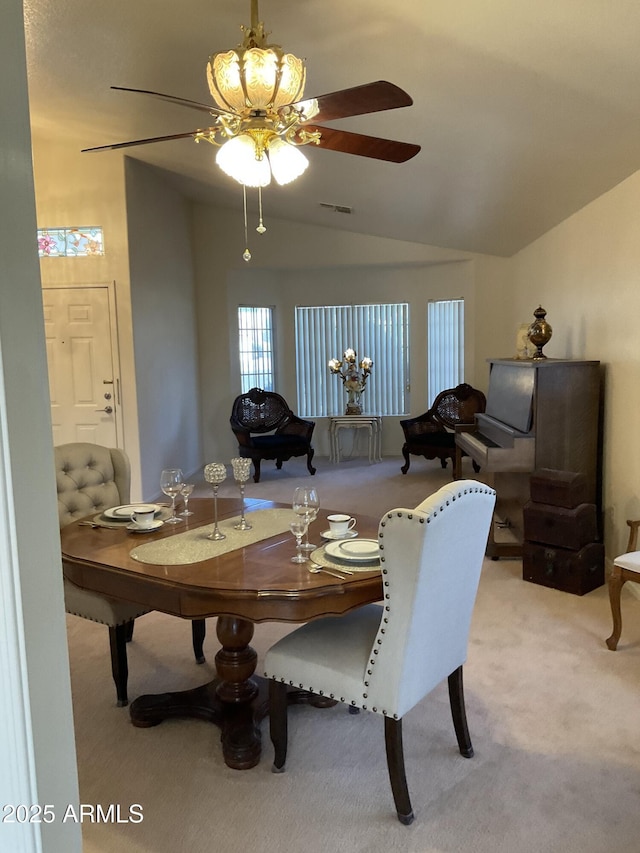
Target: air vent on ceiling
[(337, 208)]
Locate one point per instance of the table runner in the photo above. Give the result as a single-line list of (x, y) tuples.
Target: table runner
[(192, 546)]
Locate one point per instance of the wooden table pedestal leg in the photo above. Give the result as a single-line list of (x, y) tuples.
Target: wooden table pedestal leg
[(235, 664), (234, 701)]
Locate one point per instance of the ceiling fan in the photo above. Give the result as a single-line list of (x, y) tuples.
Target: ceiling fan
[(260, 119)]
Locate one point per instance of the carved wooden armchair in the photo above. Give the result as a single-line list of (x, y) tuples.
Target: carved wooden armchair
[(626, 567), (266, 428), (432, 434)]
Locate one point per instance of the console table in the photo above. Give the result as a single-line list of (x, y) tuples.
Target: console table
[(372, 423)]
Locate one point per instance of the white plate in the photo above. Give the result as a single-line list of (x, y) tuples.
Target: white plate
[(123, 513), (328, 534), (357, 551), (134, 528)]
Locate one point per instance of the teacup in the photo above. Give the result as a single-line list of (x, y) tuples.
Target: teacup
[(143, 518), (340, 525)]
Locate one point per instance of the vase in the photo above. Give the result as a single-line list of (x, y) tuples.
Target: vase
[(539, 332)]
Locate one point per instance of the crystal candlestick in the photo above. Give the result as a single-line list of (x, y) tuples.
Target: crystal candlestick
[(241, 468), (215, 473)]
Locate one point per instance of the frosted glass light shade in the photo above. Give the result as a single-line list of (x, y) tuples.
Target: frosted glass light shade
[(255, 79), (287, 161), (237, 158)]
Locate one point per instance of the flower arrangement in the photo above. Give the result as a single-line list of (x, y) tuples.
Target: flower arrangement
[(354, 382)]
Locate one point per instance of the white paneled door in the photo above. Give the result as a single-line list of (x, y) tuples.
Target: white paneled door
[(82, 381)]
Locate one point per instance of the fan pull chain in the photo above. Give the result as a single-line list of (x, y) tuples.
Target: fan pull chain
[(246, 254), (261, 226)]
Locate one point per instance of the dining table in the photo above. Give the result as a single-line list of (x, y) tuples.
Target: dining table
[(243, 579)]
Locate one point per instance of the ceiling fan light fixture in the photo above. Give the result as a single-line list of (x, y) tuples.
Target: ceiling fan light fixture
[(256, 75), (287, 161), (239, 159), (261, 120), (255, 79)]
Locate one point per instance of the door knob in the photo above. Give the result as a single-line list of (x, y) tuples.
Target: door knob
[(107, 409)]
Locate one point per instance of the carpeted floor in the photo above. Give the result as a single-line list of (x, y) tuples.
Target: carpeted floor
[(552, 713)]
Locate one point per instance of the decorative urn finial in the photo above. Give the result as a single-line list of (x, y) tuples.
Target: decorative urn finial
[(539, 331)]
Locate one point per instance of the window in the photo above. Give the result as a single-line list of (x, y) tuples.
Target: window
[(445, 345), (255, 339), (70, 242), (378, 331)]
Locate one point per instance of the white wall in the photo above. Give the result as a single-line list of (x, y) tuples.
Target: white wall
[(164, 326), (88, 189), (586, 274), (305, 265), (37, 748)]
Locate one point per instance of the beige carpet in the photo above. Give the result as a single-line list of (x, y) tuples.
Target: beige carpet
[(553, 717)]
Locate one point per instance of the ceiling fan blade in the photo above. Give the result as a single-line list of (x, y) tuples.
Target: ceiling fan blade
[(364, 146), (184, 102), (116, 145), (360, 100)]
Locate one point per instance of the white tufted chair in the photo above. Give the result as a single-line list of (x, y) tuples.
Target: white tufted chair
[(626, 567), (91, 478), (386, 658)]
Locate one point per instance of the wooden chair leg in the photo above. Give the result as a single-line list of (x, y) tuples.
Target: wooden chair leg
[(457, 463), (119, 666), (278, 724), (615, 588), (407, 460), (198, 633), (130, 630), (459, 714), (256, 470), (310, 467), (395, 764)]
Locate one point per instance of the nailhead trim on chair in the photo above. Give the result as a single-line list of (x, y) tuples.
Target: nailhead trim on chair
[(142, 612), (387, 608)]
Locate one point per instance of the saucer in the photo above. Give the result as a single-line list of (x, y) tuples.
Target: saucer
[(134, 528), (350, 534)]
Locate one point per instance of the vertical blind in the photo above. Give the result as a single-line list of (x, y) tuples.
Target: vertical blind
[(255, 342), (380, 332), (445, 345)]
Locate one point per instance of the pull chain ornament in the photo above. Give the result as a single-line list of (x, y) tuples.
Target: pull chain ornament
[(246, 254)]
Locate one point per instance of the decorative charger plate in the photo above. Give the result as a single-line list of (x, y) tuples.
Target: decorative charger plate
[(123, 513), (354, 550)]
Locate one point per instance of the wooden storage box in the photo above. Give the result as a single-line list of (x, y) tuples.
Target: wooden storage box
[(559, 488), (577, 572), (557, 525)]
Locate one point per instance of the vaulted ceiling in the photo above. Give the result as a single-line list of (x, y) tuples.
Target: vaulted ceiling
[(525, 111)]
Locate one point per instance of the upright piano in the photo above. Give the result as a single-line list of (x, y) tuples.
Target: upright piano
[(542, 413)]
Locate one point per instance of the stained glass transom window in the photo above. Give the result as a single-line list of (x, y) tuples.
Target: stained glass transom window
[(70, 242)]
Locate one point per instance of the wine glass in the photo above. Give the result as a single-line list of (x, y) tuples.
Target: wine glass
[(241, 468), (299, 528), (215, 473), (185, 491), (171, 483), (306, 504)]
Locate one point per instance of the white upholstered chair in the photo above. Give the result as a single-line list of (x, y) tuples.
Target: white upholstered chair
[(91, 478), (386, 658), (626, 567)]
